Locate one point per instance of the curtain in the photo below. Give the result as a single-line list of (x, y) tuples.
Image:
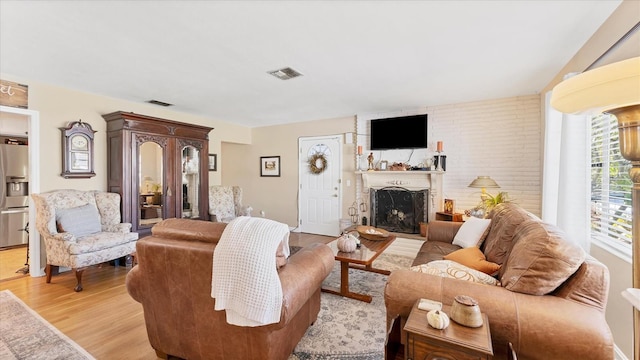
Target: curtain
[(566, 184)]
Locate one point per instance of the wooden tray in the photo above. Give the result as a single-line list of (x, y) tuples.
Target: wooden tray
[(381, 234)]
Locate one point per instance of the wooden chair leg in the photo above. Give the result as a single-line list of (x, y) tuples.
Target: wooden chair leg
[(78, 272), (48, 270)]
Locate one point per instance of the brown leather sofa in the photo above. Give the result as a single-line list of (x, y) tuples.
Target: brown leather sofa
[(173, 282), (540, 319)]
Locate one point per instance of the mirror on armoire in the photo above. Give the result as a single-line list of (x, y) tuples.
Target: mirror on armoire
[(190, 182), (150, 184)]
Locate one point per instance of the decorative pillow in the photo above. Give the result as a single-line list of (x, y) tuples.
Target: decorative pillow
[(79, 221), (473, 258), (451, 269), (541, 259), (471, 232)]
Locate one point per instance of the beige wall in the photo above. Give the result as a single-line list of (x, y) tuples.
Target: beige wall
[(278, 196), (57, 106)]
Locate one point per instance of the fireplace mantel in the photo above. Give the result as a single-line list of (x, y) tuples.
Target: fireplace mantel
[(411, 180)]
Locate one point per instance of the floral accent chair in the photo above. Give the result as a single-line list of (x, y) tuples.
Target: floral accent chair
[(225, 203), (82, 228)]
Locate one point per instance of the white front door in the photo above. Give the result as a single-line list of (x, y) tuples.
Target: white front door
[(320, 167)]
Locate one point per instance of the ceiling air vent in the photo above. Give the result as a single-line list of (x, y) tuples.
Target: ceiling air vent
[(159, 103), (285, 73)]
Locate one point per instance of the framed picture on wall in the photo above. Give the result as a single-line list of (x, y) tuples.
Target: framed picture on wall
[(270, 166), (213, 162)]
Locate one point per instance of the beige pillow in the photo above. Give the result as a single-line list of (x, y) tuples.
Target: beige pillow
[(541, 259), (473, 258), (451, 269), (471, 232)]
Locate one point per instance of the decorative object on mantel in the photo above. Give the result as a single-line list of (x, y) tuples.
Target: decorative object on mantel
[(372, 233), (399, 167), (613, 89), (77, 150), (370, 161), (358, 156), (14, 94), (439, 159)]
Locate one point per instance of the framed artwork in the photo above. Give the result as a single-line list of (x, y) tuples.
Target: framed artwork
[(449, 205), (384, 165), (270, 166), (213, 162)]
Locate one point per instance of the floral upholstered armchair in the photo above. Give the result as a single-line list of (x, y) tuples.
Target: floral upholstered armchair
[(225, 203), (82, 228)]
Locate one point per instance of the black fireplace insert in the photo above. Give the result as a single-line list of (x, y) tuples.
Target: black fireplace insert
[(398, 209)]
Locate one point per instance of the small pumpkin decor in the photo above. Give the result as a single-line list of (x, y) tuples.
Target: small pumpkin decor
[(438, 319), (347, 243)]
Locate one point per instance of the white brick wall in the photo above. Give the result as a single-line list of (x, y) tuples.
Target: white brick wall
[(501, 138)]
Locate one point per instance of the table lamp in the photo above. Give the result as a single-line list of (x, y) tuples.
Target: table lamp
[(613, 89), (484, 182), (147, 183)]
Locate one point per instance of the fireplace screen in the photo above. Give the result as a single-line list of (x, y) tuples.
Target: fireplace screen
[(398, 209)]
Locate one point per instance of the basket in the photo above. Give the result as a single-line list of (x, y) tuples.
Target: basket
[(372, 233)]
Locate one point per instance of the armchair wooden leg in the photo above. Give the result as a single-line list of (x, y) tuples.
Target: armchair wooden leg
[(48, 270), (78, 272)]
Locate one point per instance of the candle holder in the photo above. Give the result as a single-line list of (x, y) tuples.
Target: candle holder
[(439, 162), (358, 158)]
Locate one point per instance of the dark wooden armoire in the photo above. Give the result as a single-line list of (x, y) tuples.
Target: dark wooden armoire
[(159, 167)]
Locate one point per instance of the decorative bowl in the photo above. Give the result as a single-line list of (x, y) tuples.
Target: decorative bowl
[(372, 233)]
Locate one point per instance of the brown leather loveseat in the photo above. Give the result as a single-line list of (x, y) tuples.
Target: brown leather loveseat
[(550, 303), (173, 282)]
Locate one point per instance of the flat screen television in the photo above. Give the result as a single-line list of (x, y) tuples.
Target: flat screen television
[(404, 132)]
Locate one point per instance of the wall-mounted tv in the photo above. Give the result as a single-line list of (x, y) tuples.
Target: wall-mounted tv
[(403, 132)]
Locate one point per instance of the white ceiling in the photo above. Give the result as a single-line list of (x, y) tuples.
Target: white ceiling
[(211, 57)]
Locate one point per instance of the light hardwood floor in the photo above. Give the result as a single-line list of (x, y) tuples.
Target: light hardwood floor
[(102, 318), (12, 260)]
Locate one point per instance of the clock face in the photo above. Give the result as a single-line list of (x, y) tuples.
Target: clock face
[(79, 142)]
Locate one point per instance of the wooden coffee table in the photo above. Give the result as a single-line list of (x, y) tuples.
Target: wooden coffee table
[(361, 259)]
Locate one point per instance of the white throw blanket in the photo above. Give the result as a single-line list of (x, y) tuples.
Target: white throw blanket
[(245, 280)]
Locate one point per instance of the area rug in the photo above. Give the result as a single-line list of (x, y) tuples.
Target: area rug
[(347, 328), (26, 335)]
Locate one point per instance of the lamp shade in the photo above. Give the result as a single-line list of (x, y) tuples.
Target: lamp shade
[(483, 182), (604, 88)]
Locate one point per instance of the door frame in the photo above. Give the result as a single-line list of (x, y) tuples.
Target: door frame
[(36, 268), (301, 172)]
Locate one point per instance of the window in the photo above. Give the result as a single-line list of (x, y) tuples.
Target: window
[(610, 186)]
